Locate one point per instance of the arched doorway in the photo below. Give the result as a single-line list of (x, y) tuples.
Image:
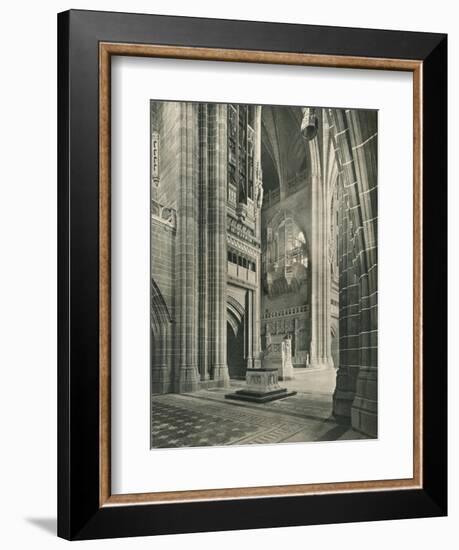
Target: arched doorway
[(235, 352), (235, 340), (160, 350)]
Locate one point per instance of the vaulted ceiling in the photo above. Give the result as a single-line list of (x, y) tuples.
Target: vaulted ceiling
[(284, 152)]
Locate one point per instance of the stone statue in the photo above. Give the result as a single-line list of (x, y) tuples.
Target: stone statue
[(287, 366), (259, 186), (268, 340), (286, 350)]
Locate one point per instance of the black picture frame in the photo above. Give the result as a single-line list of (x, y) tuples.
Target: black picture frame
[(80, 515)]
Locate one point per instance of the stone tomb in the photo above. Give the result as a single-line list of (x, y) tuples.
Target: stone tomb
[(262, 386)]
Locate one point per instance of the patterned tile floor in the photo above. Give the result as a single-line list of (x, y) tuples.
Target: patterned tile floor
[(206, 418)]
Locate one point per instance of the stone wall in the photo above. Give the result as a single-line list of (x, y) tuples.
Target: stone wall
[(189, 243), (354, 134)]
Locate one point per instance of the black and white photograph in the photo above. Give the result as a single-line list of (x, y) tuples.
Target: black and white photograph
[(264, 274), (230, 262)]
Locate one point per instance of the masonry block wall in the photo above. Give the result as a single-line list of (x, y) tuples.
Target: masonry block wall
[(191, 224), (165, 125), (354, 134)]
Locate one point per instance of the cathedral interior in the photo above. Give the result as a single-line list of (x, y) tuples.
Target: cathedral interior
[(263, 231)]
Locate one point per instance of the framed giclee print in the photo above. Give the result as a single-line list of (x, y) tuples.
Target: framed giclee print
[(252, 274)]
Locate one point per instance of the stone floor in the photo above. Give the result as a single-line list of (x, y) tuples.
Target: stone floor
[(206, 418)]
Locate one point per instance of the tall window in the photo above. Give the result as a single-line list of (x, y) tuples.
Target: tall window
[(241, 151)]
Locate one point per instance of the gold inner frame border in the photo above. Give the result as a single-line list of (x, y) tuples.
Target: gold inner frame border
[(106, 51)]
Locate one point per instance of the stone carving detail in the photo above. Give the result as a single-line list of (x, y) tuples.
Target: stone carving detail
[(286, 372), (259, 185), (252, 249), (287, 269), (155, 158), (261, 380), (241, 230), (309, 124), (163, 214), (241, 159), (287, 311), (287, 351)]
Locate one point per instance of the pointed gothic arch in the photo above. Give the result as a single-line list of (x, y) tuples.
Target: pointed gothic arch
[(161, 344), (159, 311), (235, 313)]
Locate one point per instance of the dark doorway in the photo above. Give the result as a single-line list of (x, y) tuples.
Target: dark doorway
[(235, 350)]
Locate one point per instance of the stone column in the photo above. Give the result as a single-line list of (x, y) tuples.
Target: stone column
[(160, 375), (296, 331), (249, 323), (203, 319), (349, 325), (187, 376), (217, 245), (258, 205), (364, 412), (355, 397), (320, 352)]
